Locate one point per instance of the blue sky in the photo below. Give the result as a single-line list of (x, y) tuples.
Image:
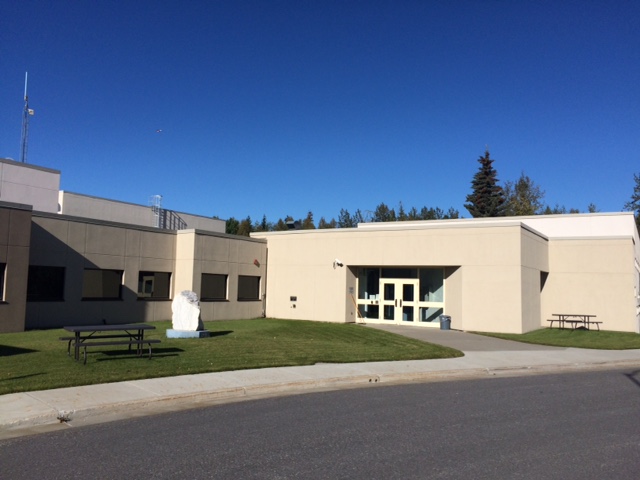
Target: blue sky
[(282, 107)]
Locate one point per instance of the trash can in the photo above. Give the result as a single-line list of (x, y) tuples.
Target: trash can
[(445, 322)]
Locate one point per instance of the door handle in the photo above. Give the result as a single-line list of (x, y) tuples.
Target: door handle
[(400, 303)]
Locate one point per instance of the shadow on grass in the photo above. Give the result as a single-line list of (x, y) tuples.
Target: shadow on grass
[(220, 333), (20, 377), (7, 351), (120, 354)]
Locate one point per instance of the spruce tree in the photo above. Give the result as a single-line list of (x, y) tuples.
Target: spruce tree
[(487, 198), (232, 226), (307, 223), (345, 220)]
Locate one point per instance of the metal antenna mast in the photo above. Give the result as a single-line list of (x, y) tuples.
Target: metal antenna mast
[(25, 123)]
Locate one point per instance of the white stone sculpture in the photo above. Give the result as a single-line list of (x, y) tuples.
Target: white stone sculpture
[(186, 311)]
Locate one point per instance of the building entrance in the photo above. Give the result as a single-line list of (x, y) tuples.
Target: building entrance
[(399, 300), (404, 296)]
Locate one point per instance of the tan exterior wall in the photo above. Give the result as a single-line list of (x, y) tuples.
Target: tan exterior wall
[(453, 281), (484, 266), (502, 276), (184, 278), (15, 227), (598, 277), (30, 185), (80, 244), (535, 265), (208, 253), (582, 225)]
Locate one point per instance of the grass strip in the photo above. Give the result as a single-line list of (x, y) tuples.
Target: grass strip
[(578, 338), (37, 360)]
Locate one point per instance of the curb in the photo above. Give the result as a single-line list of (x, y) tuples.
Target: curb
[(153, 404)]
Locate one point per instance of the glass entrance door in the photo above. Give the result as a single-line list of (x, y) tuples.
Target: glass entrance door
[(399, 300), (407, 296)]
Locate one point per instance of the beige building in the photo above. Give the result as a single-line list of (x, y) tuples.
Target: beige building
[(493, 275), (69, 259)]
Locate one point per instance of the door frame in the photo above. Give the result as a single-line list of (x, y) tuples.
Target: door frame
[(399, 304)]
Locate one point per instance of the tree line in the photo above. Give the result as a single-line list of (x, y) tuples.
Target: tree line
[(382, 213), (488, 198)]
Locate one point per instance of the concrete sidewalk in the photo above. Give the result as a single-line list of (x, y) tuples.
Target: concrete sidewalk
[(49, 410)]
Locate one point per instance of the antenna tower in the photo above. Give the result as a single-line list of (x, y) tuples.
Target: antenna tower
[(25, 123)]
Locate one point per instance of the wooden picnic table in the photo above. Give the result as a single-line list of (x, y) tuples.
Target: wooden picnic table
[(574, 319), (107, 335)]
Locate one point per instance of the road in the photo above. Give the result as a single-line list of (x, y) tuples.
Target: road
[(570, 426)]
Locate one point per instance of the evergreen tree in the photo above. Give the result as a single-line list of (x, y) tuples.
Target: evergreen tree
[(427, 214), (487, 198), (307, 223), (231, 226), (357, 218), (559, 210), (263, 226), (345, 220), (322, 223), (384, 214), (452, 213), (280, 226), (634, 204), (402, 215)]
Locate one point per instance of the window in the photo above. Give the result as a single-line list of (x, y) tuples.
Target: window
[(154, 285), (248, 288), (2, 270), (45, 284), (101, 284), (431, 285), (369, 283), (398, 273), (213, 287)]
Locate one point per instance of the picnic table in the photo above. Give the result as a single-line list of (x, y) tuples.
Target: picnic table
[(574, 320), (87, 336)]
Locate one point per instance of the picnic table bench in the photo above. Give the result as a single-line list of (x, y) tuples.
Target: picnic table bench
[(88, 336), (574, 320)]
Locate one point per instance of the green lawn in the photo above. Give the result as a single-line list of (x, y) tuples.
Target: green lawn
[(603, 340), (37, 360)]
